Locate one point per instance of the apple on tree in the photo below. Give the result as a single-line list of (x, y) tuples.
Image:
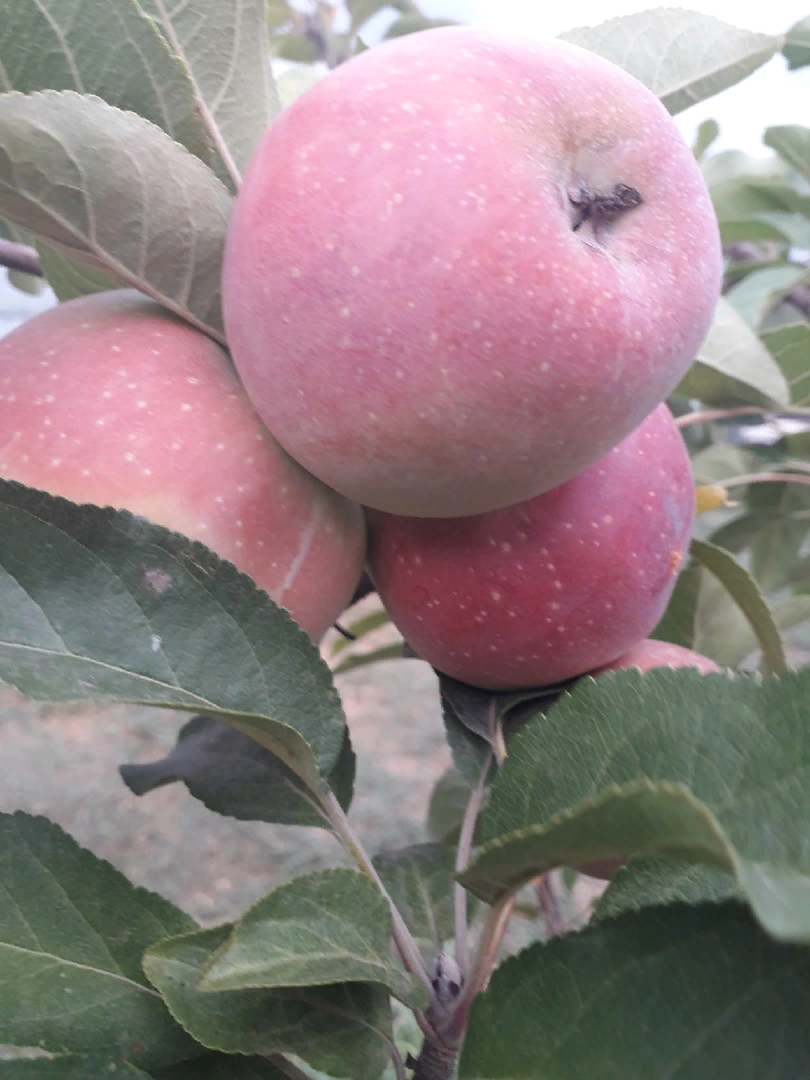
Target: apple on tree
[(649, 654), (113, 400), (463, 266), (558, 585)]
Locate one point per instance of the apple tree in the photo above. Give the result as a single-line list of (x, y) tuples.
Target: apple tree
[(159, 547)]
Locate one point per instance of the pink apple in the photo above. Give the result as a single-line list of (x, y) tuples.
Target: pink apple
[(463, 266), (552, 587), (112, 400), (649, 654)]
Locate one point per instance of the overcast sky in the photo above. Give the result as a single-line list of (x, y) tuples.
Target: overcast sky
[(770, 96)]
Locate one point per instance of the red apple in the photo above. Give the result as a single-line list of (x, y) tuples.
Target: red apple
[(552, 587), (112, 400), (650, 654), (463, 266)]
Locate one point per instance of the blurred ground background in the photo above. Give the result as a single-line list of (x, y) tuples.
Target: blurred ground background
[(63, 764)]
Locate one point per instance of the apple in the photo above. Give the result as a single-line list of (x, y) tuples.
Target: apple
[(112, 400), (553, 587), (649, 654), (463, 266)]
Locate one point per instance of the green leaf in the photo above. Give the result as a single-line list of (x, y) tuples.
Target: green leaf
[(792, 143), (67, 164), (722, 632), (740, 184), (678, 621), (448, 801), (342, 1030), (224, 46), (109, 50), (668, 992), (27, 283), (796, 49), (206, 1067), (707, 132), (100, 605), (223, 1067), (479, 720), (419, 879), (794, 226), (77, 1067), (733, 366), (329, 926), (682, 56), (775, 549), (746, 594), (295, 48), (657, 881), (705, 766), (412, 24), (760, 291), (751, 229), (232, 774), (72, 934), (70, 278), (790, 348), (635, 818)]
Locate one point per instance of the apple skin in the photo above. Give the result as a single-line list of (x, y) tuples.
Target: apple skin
[(110, 399), (553, 587), (649, 654), (406, 299)]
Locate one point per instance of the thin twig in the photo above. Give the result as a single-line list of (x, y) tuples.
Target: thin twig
[(399, 1064), (411, 957), (484, 962), (20, 257), (554, 922), (465, 840), (285, 1066), (208, 117), (764, 477), (719, 414)]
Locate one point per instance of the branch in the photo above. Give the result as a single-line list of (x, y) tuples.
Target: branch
[(20, 257), (765, 478), (719, 414), (411, 957), (462, 858)]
